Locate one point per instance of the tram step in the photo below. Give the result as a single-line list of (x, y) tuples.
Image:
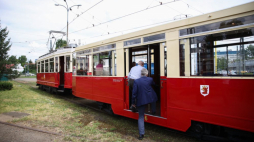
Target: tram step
[(60, 91)]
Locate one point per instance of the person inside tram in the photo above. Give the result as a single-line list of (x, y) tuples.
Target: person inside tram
[(99, 68), (80, 71), (85, 72), (133, 64)]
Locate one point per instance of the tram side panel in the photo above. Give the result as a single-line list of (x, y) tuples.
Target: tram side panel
[(226, 102), (48, 79), (40, 78), (102, 89), (68, 80), (74, 85)]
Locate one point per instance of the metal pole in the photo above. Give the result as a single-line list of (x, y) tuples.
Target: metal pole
[(67, 8), (67, 24)]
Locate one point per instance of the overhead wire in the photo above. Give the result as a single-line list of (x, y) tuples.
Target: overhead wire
[(82, 13), (192, 7), (93, 19), (131, 29), (94, 25), (171, 8), (123, 16)]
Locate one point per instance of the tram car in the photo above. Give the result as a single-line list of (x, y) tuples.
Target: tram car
[(203, 68), (54, 70)]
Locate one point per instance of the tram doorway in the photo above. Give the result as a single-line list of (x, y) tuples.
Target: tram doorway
[(150, 55), (61, 70)]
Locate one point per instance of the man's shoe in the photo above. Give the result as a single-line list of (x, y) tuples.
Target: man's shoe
[(141, 137)]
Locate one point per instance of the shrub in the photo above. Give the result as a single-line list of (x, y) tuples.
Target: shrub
[(4, 85)]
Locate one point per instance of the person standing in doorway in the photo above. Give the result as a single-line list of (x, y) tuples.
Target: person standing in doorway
[(134, 74), (142, 95)]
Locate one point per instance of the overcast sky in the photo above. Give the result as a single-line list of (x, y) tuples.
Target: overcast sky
[(29, 21)]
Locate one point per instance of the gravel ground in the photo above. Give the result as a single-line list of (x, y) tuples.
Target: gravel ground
[(15, 134), (26, 79)]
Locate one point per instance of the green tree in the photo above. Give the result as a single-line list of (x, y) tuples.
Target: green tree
[(30, 66), (4, 48), (222, 64), (60, 43), (13, 60), (249, 52), (22, 60)]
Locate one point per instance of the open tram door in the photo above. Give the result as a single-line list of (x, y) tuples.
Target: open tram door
[(61, 72), (153, 57)]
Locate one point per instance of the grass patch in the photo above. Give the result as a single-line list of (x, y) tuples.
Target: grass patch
[(75, 123)]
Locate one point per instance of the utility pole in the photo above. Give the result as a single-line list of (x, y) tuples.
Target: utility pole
[(67, 8)]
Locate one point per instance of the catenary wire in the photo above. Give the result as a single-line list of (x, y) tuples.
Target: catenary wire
[(82, 13), (122, 17), (192, 7)]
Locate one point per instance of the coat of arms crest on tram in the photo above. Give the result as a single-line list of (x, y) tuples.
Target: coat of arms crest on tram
[(204, 90)]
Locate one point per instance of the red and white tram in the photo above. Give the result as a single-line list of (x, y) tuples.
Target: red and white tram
[(54, 70), (203, 68)]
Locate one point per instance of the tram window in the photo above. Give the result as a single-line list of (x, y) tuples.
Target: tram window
[(182, 56), (42, 66), (220, 60), (219, 25), (56, 62), (68, 65), (51, 67), (132, 42), (82, 65), (74, 63), (102, 64), (154, 37), (152, 64), (46, 66), (138, 58), (229, 58), (249, 38), (115, 63), (38, 67), (139, 52)]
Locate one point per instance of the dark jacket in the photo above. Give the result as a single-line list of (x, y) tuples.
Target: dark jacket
[(143, 91)]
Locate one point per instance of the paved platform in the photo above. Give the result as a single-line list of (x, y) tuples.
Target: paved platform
[(26, 79), (15, 134)]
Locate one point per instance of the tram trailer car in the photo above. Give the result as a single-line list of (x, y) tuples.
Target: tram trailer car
[(54, 70), (202, 66)]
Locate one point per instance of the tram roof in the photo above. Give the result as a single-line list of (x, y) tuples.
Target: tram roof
[(176, 25), (61, 50)]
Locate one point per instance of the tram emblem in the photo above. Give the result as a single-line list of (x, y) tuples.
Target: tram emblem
[(204, 90)]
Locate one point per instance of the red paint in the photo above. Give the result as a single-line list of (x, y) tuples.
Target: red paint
[(229, 102), (48, 79), (103, 89), (163, 96), (68, 80), (53, 79), (126, 93), (74, 85)]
